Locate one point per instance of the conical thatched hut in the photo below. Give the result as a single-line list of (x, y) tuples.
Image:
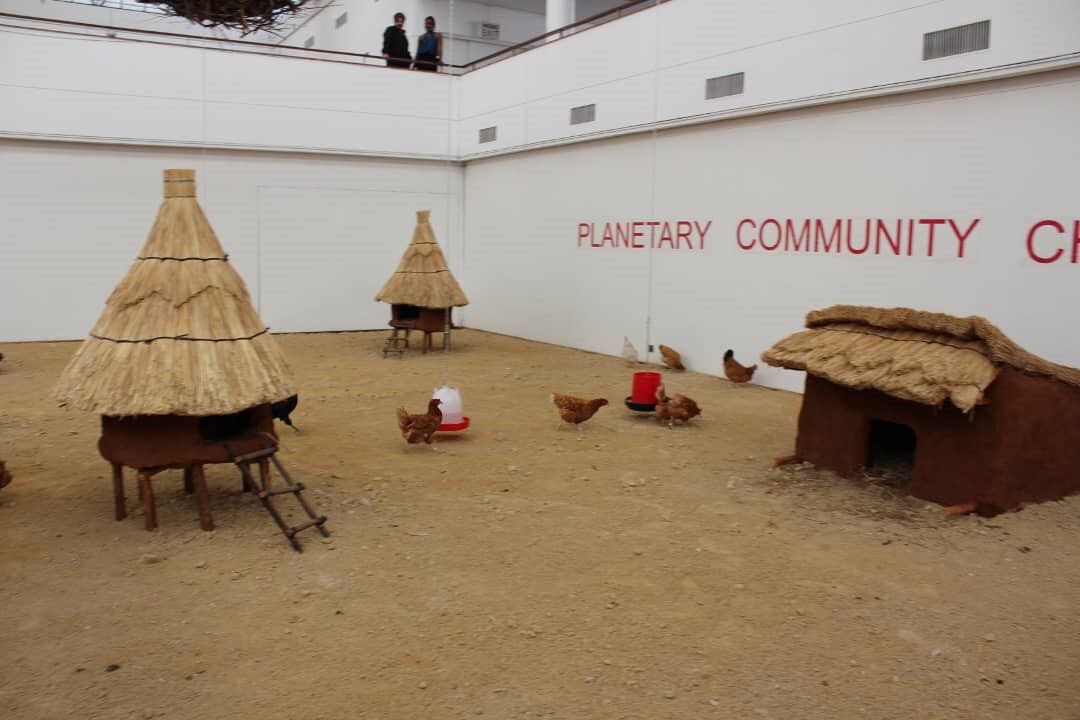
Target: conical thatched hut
[(179, 362), (978, 419), (422, 290)]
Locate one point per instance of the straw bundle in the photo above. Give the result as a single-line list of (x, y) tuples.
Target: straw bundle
[(422, 277), (179, 335), (246, 15), (923, 357)]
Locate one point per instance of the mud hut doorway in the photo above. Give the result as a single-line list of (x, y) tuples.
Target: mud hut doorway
[(890, 452)]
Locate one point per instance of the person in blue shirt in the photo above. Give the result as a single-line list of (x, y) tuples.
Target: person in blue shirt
[(429, 48)]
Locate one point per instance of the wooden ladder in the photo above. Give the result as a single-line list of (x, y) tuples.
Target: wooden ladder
[(396, 344), (266, 494)]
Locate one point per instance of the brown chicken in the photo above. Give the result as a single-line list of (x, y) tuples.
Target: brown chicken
[(735, 372), (415, 428), (679, 408), (575, 410), (671, 358)]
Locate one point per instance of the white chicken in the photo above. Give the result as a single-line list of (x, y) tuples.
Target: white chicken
[(629, 352)]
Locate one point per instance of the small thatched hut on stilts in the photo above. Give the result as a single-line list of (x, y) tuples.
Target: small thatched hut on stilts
[(179, 365), (976, 419), (421, 291)]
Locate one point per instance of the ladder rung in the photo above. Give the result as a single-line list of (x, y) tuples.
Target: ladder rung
[(257, 455), (282, 491), (304, 526)]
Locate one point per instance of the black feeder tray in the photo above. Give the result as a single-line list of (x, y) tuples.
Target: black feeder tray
[(640, 407)]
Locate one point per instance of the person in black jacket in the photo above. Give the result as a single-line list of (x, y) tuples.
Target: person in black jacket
[(395, 44)]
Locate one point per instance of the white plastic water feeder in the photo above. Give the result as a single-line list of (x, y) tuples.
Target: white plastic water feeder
[(453, 417)]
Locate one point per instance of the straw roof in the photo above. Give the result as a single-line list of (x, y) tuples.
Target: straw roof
[(924, 357), (179, 335), (422, 277)]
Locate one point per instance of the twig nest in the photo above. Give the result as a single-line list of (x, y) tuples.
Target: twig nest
[(246, 15)]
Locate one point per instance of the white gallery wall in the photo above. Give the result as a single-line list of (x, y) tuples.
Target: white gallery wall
[(314, 237), (104, 90), (1002, 154), (311, 171), (651, 67)]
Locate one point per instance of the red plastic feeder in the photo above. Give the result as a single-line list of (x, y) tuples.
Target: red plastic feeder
[(454, 427), (643, 393)]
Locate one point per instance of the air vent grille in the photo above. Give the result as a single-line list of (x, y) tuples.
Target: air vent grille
[(717, 87), (582, 114), (488, 134), (956, 40)]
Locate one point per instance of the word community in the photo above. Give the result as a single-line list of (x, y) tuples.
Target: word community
[(640, 234), (921, 237)]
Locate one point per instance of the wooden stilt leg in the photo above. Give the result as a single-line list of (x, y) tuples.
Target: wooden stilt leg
[(119, 502), (149, 508), (202, 497), (188, 486), (264, 473)]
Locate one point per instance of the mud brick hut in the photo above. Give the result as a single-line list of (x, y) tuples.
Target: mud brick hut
[(422, 291), (978, 419), (179, 365)]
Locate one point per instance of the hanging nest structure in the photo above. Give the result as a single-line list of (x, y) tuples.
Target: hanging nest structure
[(248, 16)]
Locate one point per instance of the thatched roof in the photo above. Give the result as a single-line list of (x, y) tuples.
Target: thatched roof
[(422, 277), (179, 335), (924, 357)]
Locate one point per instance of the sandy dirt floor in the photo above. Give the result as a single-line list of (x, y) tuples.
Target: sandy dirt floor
[(629, 571)]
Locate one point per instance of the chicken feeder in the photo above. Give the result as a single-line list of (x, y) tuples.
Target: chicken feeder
[(451, 407), (643, 392)]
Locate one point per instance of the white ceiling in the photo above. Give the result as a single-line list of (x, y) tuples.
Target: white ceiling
[(536, 6)]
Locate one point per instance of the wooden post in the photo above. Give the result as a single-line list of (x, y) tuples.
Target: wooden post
[(264, 473), (188, 486), (146, 490), (119, 503), (202, 497)]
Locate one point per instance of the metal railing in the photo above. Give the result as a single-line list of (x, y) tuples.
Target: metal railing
[(602, 18)]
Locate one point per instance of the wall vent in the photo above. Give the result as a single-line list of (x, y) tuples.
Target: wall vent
[(310, 42), (488, 134), (956, 40), (341, 19), (582, 114), (488, 31), (717, 87)]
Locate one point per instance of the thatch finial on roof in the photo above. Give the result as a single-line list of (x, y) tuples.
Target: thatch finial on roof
[(179, 334), (422, 277)]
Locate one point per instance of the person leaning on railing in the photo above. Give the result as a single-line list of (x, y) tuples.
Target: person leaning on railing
[(429, 48), (395, 44)]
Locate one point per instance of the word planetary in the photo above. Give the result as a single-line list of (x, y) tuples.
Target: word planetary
[(677, 234), (925, 237)]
